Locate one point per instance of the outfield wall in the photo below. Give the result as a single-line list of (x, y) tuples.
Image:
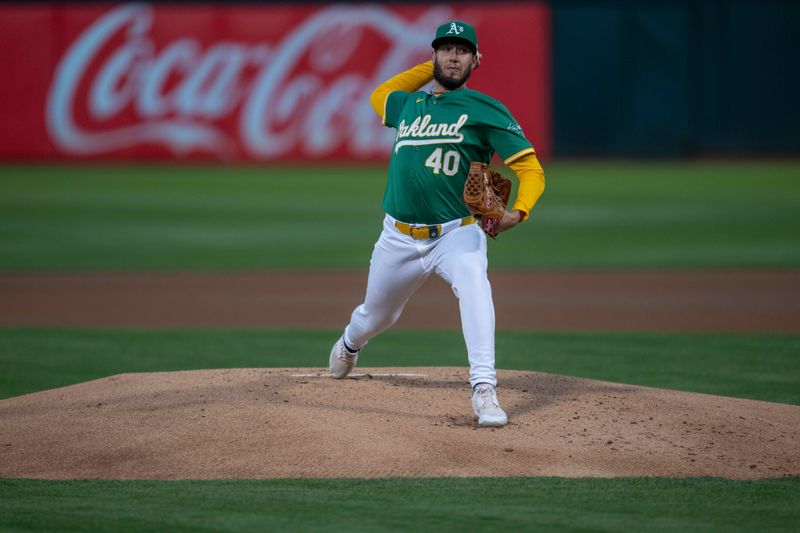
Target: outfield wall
[(269, 81), (676, 77), (241, 82)]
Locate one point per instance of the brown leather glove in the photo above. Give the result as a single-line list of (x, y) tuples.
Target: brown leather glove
[(486, 194)]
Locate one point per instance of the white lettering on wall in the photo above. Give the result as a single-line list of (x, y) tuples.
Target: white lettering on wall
[(292, 96)]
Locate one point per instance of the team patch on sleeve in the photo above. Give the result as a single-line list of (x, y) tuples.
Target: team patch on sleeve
[(514, 127)]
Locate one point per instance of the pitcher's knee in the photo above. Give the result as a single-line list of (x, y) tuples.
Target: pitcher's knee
[(469, 278)]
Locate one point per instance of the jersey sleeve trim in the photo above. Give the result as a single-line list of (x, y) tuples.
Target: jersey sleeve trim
[(385, 102), (510, 159)]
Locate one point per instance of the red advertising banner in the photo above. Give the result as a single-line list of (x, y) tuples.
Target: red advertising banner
[(241, 82)]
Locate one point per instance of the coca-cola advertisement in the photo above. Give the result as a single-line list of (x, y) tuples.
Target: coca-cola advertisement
[(242, 83)]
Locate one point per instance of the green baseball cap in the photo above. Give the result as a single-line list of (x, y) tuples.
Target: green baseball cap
[(456, 31)]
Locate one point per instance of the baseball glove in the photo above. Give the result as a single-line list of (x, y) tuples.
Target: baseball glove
[(486, 194)]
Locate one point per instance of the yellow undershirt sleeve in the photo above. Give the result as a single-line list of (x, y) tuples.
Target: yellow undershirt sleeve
[(531, 182), (408, 81)]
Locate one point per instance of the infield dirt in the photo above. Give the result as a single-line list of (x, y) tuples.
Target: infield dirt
[(599, 300)]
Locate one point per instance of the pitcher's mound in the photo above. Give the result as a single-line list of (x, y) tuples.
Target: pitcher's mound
[(263, 423)]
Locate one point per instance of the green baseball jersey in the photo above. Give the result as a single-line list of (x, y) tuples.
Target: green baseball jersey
[(438, 136)]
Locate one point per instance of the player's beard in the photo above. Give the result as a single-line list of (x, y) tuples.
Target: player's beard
[(451, 84)]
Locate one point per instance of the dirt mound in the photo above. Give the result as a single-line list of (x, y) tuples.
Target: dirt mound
[(264, 423)]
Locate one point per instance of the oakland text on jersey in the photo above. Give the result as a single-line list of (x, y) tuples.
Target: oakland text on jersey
[(421, 128)]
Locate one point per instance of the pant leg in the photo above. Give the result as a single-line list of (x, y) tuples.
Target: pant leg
[(460, 259), (395, 273)]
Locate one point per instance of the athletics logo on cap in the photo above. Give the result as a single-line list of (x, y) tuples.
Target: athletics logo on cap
[(456, 30)]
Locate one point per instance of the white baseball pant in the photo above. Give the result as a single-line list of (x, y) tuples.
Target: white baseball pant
[(399, 266)]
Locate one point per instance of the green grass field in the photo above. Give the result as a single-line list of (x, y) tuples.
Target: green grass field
[(759, 367), (507, 504), (593, 215), (665, 214)]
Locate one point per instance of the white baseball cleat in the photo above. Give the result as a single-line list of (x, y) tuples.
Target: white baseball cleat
[(485, 406), (342, 361)]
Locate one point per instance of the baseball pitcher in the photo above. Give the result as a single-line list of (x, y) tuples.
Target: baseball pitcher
[(439, 184)]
